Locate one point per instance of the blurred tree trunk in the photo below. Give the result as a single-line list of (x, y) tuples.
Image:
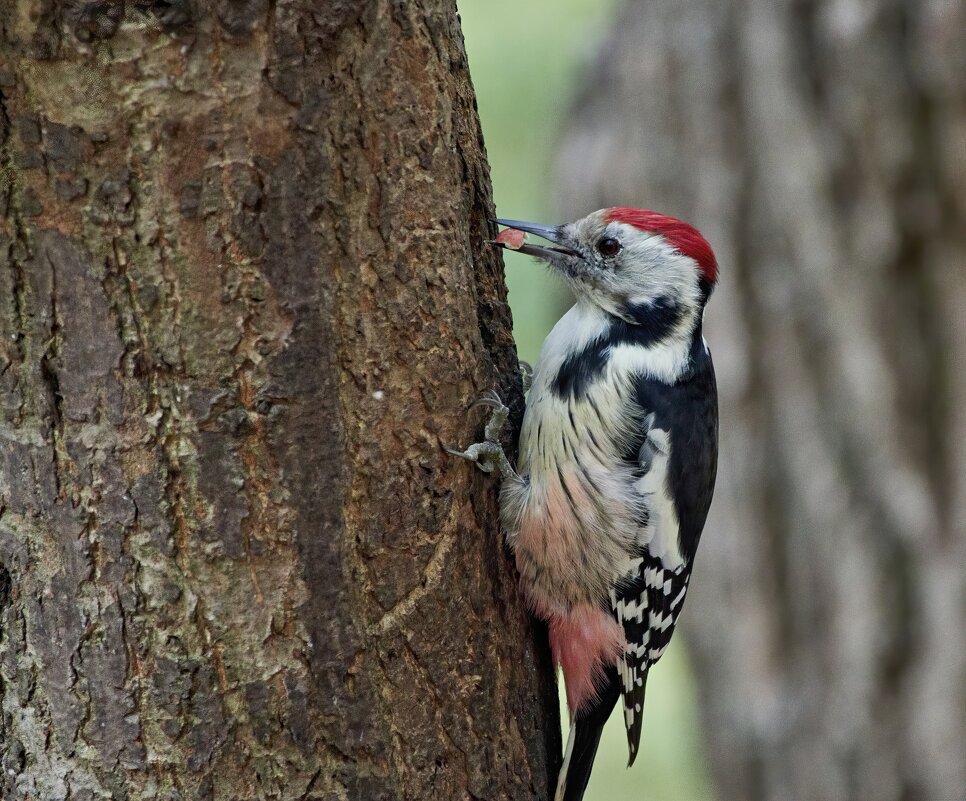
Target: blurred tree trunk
[(821, 147), (243, 299)]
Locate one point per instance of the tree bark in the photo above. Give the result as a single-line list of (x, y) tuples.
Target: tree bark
[(243, 300), (820, 147)]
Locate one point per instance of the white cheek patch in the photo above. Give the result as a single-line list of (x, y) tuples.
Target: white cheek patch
[(650, 261)]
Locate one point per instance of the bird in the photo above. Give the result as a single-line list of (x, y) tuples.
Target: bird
[(617, 461)]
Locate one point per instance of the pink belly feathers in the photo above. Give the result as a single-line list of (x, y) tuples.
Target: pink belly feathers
[(584, 637), (583, 642)]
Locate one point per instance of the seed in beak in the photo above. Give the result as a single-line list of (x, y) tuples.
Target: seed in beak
[(511, 238)]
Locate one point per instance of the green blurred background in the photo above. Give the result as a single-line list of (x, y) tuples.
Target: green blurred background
[(526, 61)]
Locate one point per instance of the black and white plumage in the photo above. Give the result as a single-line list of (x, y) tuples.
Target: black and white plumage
[(666, 391), (648, 602), (618, 455)]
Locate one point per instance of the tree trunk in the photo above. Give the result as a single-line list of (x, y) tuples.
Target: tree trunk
[(820, 147), (243, 301)]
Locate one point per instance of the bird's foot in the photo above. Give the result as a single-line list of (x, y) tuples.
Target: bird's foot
[(526, 375), (488, 455)]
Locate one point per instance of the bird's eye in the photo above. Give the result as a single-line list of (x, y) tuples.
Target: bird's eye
[(608, 247)]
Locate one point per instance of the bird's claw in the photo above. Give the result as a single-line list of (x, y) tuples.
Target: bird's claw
[(481, 454), (488, 455), (489, 399), (526, 375), (499, 417)]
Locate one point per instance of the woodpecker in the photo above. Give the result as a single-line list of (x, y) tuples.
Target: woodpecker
[(618, 456)]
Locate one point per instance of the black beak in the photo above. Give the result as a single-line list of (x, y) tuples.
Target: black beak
[(551, 233)]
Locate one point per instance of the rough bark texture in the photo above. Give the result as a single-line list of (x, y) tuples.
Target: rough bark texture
[(821, 147), (243, 299)]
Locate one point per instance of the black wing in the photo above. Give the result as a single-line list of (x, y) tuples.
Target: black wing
[(677, 451)]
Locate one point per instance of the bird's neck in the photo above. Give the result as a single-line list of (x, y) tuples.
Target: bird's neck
[(651, 345)]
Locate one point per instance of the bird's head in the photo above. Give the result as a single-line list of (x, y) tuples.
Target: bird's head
[(631, 262)]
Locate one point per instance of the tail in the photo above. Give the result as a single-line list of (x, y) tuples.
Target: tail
[(585, 731), (634, 709)]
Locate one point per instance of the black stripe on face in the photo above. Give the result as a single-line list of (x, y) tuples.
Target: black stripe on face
[(651, 323)]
